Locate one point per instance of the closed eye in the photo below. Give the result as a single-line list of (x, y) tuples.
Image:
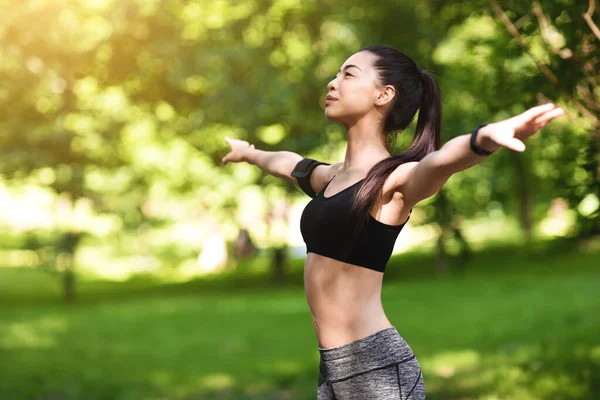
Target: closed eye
[(347, 73)]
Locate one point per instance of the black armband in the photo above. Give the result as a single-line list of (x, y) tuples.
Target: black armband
[(302, 172), (476, 149)]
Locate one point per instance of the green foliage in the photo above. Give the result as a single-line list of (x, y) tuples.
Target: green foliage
[(109, 100)]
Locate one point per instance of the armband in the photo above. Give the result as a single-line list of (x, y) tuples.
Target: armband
[(476, 149), (302, 172)]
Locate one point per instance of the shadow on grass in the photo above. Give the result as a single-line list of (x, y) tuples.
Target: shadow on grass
[(497, 258), (527, 372), (554, 372), (174, 348)]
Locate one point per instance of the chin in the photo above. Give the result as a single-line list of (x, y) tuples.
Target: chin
[(332, 116)]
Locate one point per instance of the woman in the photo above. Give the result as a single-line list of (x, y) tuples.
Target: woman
[(360, 205)]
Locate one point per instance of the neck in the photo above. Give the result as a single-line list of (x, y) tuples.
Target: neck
[(365, 148)]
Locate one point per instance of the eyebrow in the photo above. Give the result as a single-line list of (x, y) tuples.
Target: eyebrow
[(350, 65)]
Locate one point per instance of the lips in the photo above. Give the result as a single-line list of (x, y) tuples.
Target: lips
[(330, 97)]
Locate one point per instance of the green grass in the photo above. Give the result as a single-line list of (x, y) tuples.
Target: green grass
[(512, 325)]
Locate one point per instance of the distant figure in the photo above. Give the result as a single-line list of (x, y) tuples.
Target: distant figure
[(360, 205), (243, 247)]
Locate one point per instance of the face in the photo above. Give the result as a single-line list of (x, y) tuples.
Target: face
[(355, 87)]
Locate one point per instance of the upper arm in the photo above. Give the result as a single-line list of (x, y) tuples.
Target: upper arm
[(323, 174), (420, 180), (318, 177)]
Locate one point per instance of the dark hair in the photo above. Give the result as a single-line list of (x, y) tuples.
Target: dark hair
[(416, 89)]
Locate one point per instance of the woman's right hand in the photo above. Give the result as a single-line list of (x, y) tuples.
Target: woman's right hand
[(238, 150)]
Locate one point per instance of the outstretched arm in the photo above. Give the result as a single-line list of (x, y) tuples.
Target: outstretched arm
[(277, 163), (425, 178)]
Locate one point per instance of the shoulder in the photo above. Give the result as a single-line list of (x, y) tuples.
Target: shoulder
[(323, 174), (312, 177)]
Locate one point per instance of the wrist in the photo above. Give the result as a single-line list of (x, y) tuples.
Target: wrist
[(481, 141), (247, 155), (487, 144)]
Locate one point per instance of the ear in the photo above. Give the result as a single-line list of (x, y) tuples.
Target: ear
[(386, 95)]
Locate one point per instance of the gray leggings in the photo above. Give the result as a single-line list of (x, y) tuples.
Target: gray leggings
[(380, 366)]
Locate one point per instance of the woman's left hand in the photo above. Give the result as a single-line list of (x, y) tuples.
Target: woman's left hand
[(511, 132)]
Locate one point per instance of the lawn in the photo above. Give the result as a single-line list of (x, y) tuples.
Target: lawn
[(510, 326)]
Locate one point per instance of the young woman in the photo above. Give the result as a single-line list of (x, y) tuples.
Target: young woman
[(360, 205)]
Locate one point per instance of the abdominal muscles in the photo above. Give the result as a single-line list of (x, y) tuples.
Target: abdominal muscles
[(344, 299)]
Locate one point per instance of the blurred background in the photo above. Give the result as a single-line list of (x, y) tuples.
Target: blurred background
[(134, 266)]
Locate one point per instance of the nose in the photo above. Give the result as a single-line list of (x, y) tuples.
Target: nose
[(330, 85)]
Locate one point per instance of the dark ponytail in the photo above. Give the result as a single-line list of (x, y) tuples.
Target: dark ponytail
[(416, 90)]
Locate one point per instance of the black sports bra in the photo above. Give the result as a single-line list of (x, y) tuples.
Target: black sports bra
[(326, 227)]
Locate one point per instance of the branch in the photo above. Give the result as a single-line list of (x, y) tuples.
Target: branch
[(522, 21), (588, 18), (547, 32), (544, 68), (586, 95)]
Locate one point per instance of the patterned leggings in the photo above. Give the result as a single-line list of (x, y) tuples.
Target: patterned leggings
[(380, 366)]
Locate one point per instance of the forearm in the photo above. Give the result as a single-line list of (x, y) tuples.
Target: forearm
[(427, 177), (456, 155), (277, 163)]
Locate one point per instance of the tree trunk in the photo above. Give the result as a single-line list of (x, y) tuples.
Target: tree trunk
[(69, 283), (441, 261), (278, 214), (524, 197), (279, 260), (589, 225), (66, 247), (465, 249)]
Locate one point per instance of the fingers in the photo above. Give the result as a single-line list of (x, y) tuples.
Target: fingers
[(224, 159), (536, 111), (511, 143), (549, 116), (234, 154)]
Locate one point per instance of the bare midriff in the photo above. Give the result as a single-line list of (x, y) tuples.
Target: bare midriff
[(344, 300)]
